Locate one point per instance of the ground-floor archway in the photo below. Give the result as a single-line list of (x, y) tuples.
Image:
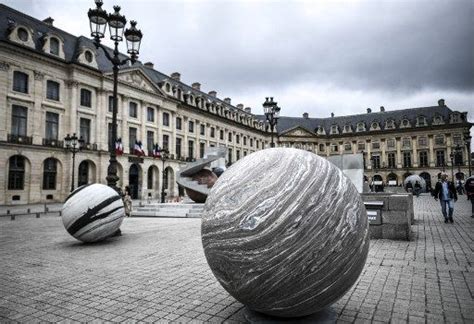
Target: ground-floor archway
[(86, 173), (459, 176), (392, 179), (134, 181), (427, 177)]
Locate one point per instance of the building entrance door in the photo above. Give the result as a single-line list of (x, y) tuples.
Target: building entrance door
[(133, 180)]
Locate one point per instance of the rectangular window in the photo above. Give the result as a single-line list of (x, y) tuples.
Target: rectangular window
[(406, 159), (251, 142), (237, 139), (245, 140), (230, 137), (361, 146), (20, 82), (85, 130), (202, 147), (19, 120), (458, 158), (52, 90), (49, 174), (391, 143), (86, 98), (16, 173), (191, 126), (166, 119), (391, 160), (347, 146), (334, 147), (132, 138), (439, 140), (440, 162), (178, 148), (221, 135), (229, 157), (376, 145), (213, 132), (111, 104), (237, 155), (132, 109), (202, 129), (457, 139), (150, 141), (422, 141), (191, 149), (166, 142), (423, 159), (406, 142), (178, 123), (52, 126), (150, 114), (376, 161)]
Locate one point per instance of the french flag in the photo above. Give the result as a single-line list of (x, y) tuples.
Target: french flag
[(119, 147), (156, 151), (138, 149)]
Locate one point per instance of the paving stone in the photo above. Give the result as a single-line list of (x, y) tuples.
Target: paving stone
[(156, 272)]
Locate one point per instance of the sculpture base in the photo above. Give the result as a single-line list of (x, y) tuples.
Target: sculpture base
[(325, 316)]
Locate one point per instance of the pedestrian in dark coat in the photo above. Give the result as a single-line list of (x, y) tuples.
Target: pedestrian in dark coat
[(445, 191)]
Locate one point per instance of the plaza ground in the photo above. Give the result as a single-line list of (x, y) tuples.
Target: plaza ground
[(156, 271)]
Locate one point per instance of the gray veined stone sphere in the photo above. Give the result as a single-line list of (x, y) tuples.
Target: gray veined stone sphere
[(93, 212), (285, 232)]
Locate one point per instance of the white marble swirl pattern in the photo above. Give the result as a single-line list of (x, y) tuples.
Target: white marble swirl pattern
[(285, 232), (93, 212)]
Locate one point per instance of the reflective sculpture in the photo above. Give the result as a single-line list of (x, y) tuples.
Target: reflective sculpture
[(285, 232), (93, 212)]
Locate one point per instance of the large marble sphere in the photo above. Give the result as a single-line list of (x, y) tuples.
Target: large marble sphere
[(285, 232), (93, 212)]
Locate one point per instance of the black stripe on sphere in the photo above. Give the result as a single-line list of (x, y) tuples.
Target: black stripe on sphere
[(92, 215), (76, 191)]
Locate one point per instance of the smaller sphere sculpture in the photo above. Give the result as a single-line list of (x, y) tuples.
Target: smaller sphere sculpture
[(285, 232), (93, 212), (203, 177)]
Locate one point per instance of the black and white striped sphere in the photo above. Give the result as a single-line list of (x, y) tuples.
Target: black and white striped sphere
[(93, 212), (285, 232)]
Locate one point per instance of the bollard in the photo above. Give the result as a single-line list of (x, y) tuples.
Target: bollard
[(46, 208), (37, 215), (12, 217)]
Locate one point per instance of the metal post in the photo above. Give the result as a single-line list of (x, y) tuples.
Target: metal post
[(112, 177), (163, 194), (468, 144), (272, 144), (73, 167)]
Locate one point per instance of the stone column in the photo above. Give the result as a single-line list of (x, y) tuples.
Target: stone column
[(4, 77), (432, 159), (414, 144), (37, 118), (368, 160), (73, 127), (399, 153), (448, 149), (383, 159), (141, 110), (101, 132), (185, 126)]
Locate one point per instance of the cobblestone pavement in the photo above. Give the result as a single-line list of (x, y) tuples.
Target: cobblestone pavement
[(157, 271)]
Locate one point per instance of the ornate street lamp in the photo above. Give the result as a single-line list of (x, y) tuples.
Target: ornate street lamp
[(467, 139), (163, 157), (272, 113), (99, 19), (73, 145)]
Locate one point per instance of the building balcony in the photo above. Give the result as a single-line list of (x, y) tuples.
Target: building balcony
[(20, 139), (52, 142)]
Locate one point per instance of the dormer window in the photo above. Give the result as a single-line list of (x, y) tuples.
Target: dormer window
[(360, 127), (334, 129), (374, 126), (88, 56), (405, 123), (455, 118), (22, 34), (390, 124), (320, 130), (168, 87), (347, 128), (421, 121), (437, 120), (54, 46)]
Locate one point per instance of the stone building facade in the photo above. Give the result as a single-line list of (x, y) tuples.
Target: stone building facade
[(53, 84)]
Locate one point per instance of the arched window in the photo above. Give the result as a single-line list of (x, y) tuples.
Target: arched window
[(88, 56), (16, 173), (49, 174), (150, 178), (83, 174), (54, 46), (22, 34)]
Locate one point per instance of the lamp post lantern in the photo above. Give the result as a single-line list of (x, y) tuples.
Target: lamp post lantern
[(163, 157), (73, 145), (272, 113), (99, 19)]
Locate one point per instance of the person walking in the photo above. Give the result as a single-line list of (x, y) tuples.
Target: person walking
[(417, 189), (469, 187), (127, 201), (445, 191)]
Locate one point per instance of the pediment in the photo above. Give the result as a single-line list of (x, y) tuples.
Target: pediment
[(136, 78), (298, 131)]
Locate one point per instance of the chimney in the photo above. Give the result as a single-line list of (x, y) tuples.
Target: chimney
[(49, 21), (240, 106), (332, 115), (227, 100), (305, 115), (248, 110), (149, 65), (196, 86), (369, 110), (382, 108), (213, 93), (176, 76), (441, 103)]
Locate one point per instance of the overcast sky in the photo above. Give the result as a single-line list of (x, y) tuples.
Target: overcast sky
[(312, 56)]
